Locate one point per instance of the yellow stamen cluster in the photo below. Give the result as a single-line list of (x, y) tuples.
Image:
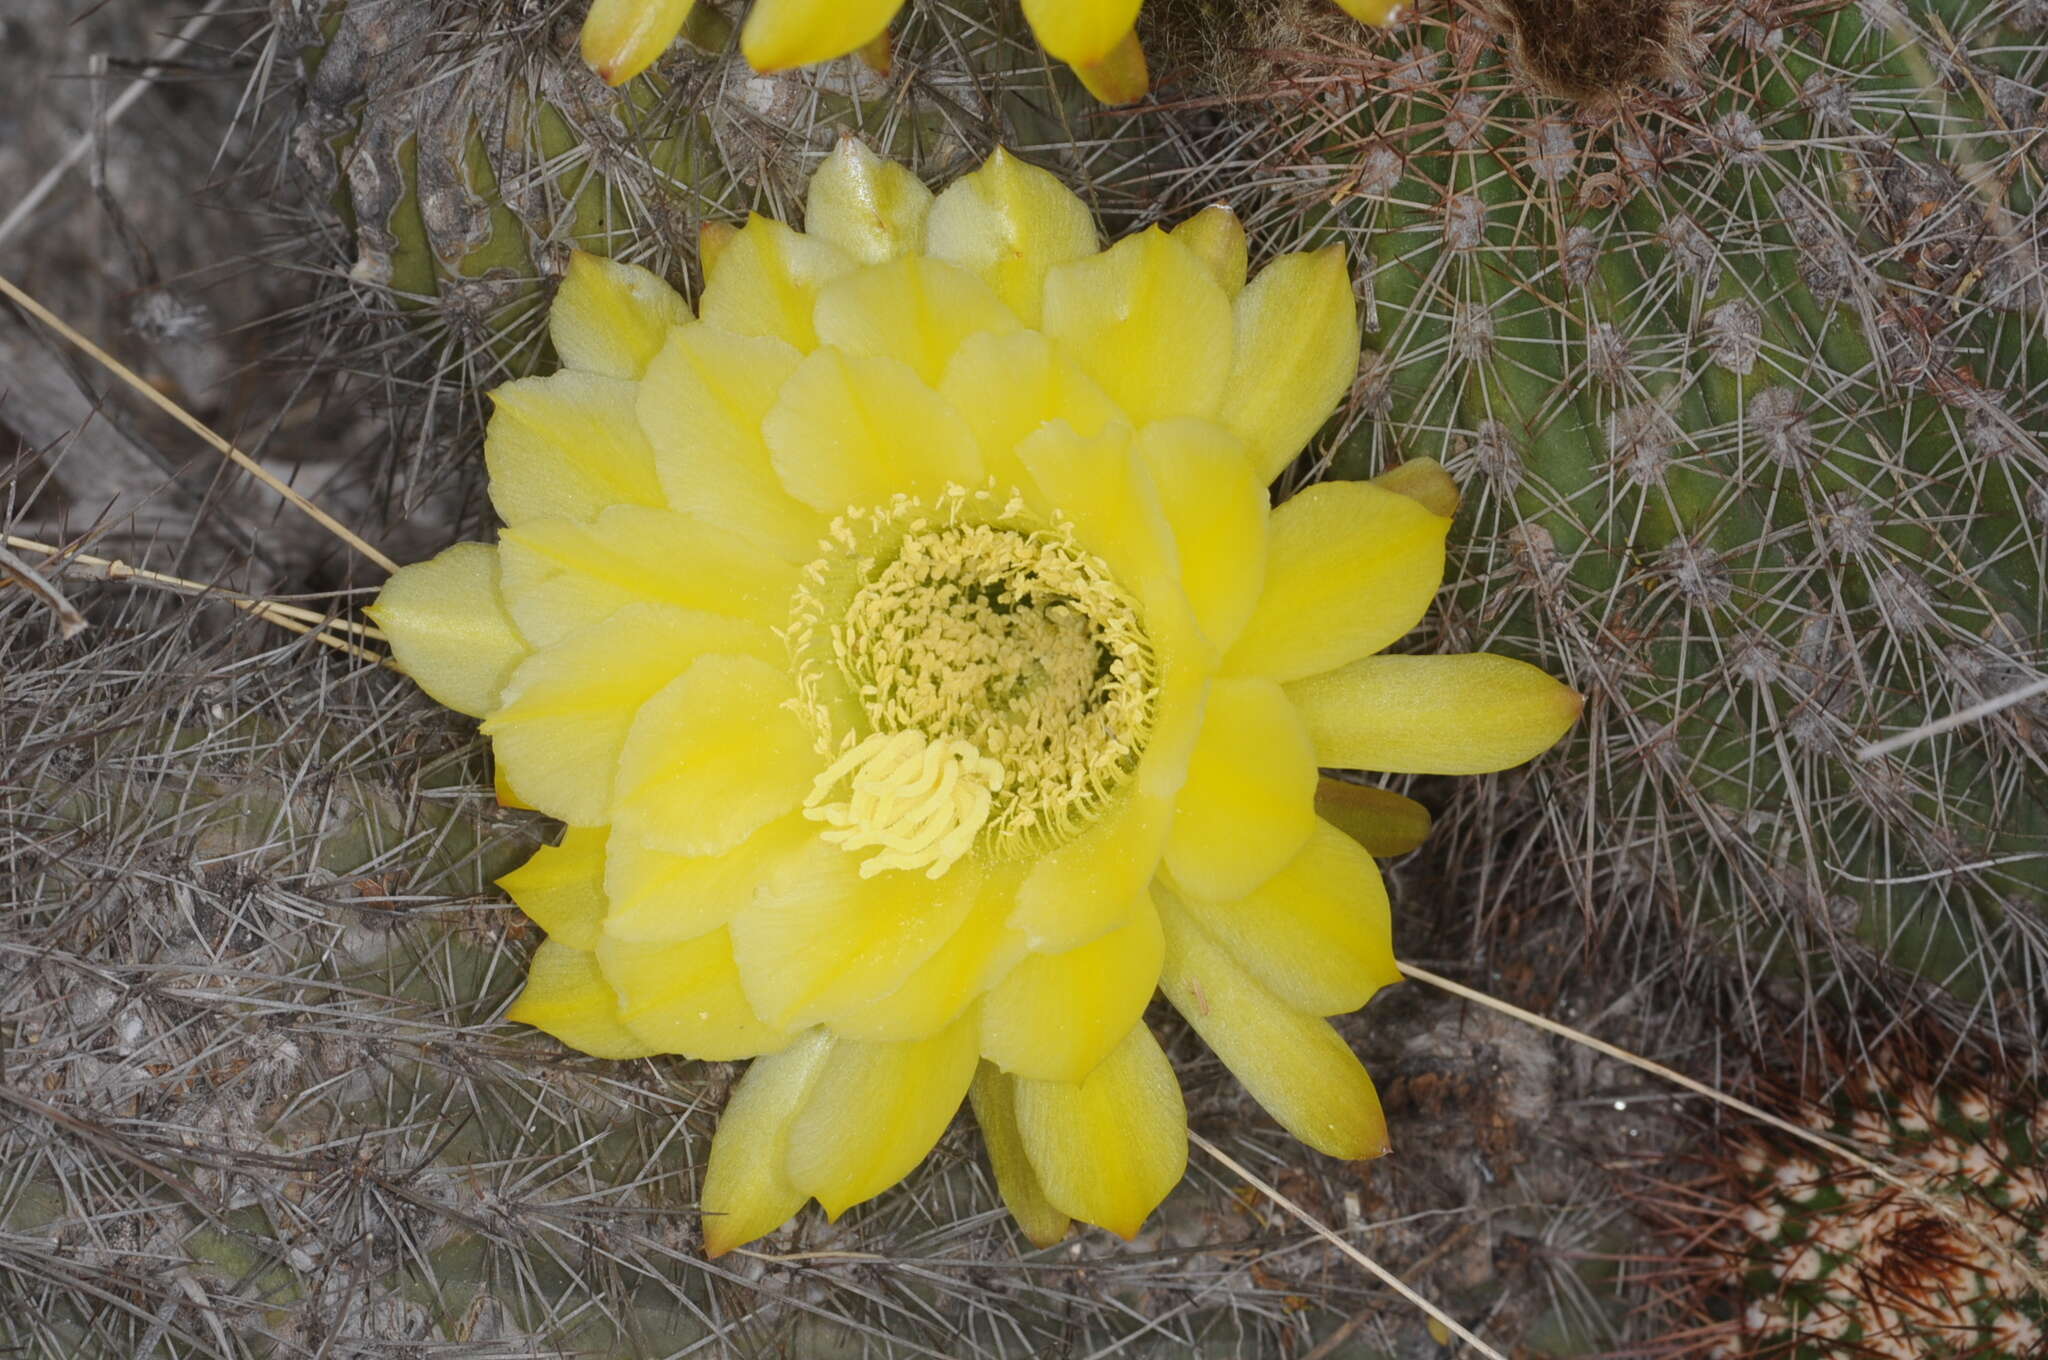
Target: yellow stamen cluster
[(921, 802), (981, 671)]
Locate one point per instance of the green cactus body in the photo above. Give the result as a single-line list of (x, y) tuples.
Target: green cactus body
[(1742, 382)]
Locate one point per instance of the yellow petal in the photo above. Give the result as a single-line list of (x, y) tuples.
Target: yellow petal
[(1006, 385), (819, 940), (855, 432), (566, 996), (561, 888), (911, 309), (447, 627), (684, 997), (1350, 567), (783, 33), (565, 447), (1294, 1064), (746, 1193), (767, 281), (560, 576), (712, 239), (1090, 886), (1121, 76), (1107, 1150), (1218, 512), (622, 38), (1103, 489), (1146, 319), (1383, 822), (1215, 235), (1008, 223), (1378, 13), (872, 209), (1464, 714), (713, 757), (1249, 802), (565, 713), (875, 1112), (1057, 1015), (1317, 934), (1079, 31), (995, 1110), (702, 405), (655, 897), (610, 318), (1424, 481), (1296, 356), (977, 956)]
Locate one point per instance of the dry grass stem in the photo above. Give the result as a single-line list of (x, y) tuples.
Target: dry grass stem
[(297, 618), (191, 422)]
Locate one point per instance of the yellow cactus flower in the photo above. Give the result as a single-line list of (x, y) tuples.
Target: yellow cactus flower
[(910, 646), (622, 38)]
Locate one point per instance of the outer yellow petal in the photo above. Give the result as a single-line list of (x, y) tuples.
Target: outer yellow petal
[(1294, 1064), (560, 575), (622, 38), (561, 888), (1081, 31), (1007, 385), (856, 432), (656, 897), (1424, 481), (1296, 356), (566, 996), (565, 447), (995, 1108), (1350, 567), (1090, 886), (1120, 77), (1009, 223), (911, 309), (558, 733), (1317, 934), (767, 280), (685, 998), (819, 940), (1463, 714), (1057, 1015), (1102, 487), (746, 1193), (1218, 514), (702, 405), (1107, 1150), (448, 629), (611, 318), (872, 209), (1378, 13), (977, 956), (783, 33), (712, 758), (1383, 822), (875, 1112), (1249, 802), (1218, 238), (1147, 319)]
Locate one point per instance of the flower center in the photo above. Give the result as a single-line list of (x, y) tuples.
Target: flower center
[(978, 679)]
